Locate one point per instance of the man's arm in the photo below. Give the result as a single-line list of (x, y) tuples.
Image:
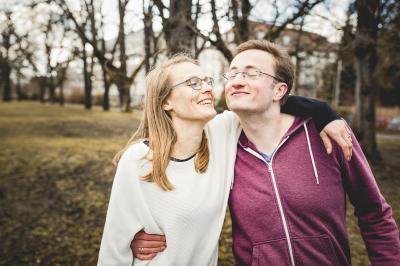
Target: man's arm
[(327, 121), (377, 226), (146, 246)]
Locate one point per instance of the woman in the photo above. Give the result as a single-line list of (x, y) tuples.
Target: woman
[(174, 176)]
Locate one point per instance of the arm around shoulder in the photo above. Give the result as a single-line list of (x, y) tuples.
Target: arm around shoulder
[(304, 107)]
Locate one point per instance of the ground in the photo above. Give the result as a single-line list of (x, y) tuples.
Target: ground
[(56, 176)]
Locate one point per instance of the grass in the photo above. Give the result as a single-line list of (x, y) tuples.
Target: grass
[(56, 176)]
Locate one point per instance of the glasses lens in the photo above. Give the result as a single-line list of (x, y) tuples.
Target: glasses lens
[(195, 83), (231, 75), (210, 81)]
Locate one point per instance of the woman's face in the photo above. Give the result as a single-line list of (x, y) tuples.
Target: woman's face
[(192, 100)]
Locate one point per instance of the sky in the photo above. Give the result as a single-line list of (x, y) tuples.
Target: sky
[(334, 10)]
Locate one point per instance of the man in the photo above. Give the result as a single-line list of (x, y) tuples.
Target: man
[(296, 212)]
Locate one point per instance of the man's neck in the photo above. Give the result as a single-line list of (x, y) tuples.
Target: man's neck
[(189, 136), (265, 130)]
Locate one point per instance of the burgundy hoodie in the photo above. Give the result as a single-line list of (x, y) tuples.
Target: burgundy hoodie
[(292, 211)]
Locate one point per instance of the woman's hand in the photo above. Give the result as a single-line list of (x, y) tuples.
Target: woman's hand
[(340, 132)]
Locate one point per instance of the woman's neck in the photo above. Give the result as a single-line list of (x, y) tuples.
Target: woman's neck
[(189, 134)]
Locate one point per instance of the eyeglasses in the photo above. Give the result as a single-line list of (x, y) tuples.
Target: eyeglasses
[(196, 83), (250, 74)]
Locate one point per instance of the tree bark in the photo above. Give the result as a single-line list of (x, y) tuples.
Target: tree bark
[(86, 78), (366, 58), (241, 22), (106, 97), (123, 86), (106, 81), (178, 35), (5, 64), (148, 34), (6, 71)]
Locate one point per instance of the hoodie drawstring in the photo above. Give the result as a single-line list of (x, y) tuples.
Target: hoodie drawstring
[(311, 153)]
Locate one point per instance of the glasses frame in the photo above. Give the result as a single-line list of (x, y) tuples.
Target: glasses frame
[(210, 81), (245, 75)]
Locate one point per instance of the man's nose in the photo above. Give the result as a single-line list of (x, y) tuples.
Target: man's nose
[(238, 81)]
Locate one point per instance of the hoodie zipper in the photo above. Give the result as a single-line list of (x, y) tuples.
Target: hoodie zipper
[(277, 196)]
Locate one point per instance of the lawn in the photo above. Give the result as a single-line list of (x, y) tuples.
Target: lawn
[(56, 176)]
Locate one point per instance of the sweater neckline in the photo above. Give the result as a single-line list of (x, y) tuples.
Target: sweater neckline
[(146, 142)]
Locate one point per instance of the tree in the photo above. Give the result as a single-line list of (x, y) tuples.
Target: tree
[(388, 68), (365, 61), (177, 33), (7, 36), (116, 70)]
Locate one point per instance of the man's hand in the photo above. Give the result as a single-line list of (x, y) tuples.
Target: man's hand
[(340, 132), (146, 247)]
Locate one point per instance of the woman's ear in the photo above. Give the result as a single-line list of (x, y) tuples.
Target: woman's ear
[(167, 106), (280, 90)]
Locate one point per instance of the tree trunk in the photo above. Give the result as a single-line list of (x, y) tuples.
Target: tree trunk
[(62, 94), (178, 36), (48, 47), (241, 22), (18, 90), (148, 34), (298, 59), (86, 78), (6, 68), (51, 88), (42, 88), (6, 71), (365, 62), (106, 97), (122, 83)]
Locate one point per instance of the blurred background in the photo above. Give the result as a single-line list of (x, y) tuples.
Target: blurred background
[(72, 84)]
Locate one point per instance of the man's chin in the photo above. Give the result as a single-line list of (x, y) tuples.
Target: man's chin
[(238, 107)]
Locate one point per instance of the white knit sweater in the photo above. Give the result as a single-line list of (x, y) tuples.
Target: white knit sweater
[(191, 216)]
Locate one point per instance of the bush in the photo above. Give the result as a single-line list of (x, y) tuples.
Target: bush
[(76, 95)]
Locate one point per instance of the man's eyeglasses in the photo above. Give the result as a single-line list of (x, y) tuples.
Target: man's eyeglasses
[(250, 74), (196, 83)]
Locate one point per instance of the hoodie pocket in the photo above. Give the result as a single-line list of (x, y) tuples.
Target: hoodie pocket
[(274, 252), (316, 250)]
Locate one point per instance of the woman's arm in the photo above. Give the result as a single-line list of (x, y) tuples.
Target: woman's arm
[(124, 215), (327, 121), (321, 112)]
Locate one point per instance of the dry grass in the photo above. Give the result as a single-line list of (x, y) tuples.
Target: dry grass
[(56, 178)]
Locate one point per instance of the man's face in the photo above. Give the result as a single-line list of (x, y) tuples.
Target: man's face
[(250, 94)]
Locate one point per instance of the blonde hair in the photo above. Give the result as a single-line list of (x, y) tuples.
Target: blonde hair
[(157, 126), (283, 66)]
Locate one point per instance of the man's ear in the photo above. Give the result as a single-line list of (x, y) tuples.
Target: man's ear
[(280, 90)]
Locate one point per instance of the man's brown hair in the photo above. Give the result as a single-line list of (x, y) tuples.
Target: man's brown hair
[(283, 66)]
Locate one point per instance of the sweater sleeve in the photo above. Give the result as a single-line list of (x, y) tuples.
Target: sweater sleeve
[(125, 213), (223, 127), (303, 107), (374, 214)]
